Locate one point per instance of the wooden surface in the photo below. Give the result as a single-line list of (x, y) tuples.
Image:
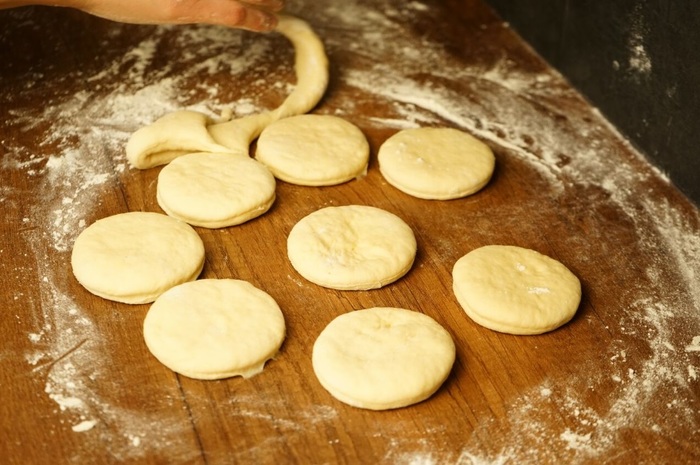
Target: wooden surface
[(618, 384)]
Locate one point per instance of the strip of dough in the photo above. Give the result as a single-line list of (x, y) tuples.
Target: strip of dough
[(311, 67), (187, 131), (169, 137)]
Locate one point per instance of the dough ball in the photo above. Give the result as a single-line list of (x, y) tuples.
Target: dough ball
[(515, 290), (215, 190), (313, 150), (436, 163), (382, 358), (214, 328), (351, 247), (135, 257)]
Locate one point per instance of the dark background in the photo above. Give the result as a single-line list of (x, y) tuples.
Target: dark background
[(638, 61)]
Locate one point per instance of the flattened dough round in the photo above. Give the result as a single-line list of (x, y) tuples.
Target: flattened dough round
[(352, 247), (515, 290), (436, 163), (382, 358), (313, 150), (134, 257), (214, 329), (215, 190)]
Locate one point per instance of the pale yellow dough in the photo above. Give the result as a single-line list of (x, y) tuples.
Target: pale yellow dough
[(383, 358), (185, 131), (351, 247), (515, 290), (214, 328), (169, 137), (311, 68), (313, 150), (135, 257), (436, 163), (215, 190)]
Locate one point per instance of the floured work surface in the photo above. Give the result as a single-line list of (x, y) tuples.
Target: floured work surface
[(618, 384)]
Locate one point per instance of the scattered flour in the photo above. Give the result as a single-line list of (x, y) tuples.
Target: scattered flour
[(653, 391), (639, 60), (85, 425), (86, 133), (517, 115), (575, 441), (694, 346)]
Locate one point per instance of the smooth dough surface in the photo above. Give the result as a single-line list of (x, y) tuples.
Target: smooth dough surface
[(313, 150), (382, 358), (214, 328), (436, 163), (215, 190), (352, 247), (134, 257), (515, 290)]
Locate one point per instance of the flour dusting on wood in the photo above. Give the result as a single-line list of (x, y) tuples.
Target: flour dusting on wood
[(517, 114)]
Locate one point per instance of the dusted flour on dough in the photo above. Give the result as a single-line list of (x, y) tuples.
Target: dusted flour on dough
[(515, 290), (383, 358), (436, 163), (352, 247), (134, 257), (214, 328), (313, 150), (215, 190)]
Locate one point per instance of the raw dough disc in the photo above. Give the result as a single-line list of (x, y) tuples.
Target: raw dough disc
[(313, 150), (215, 190), (382, 358), (351, 247), (436, 163), (214, 328), (515, 290), (134, 257)]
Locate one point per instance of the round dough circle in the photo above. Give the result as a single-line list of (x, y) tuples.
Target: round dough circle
[(313, 150), (134, 257), (215, 190), (515, 290), (382, 358), (351, 247), (436, 163), (214, 328)]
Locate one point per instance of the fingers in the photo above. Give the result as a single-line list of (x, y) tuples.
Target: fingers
[(254, 15), (270, 5)]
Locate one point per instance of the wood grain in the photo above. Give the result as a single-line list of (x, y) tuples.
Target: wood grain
[(618, 384)]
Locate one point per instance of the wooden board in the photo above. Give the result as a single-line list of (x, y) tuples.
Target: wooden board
[(618, 384)]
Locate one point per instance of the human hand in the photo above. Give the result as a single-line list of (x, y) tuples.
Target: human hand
[(254, 15)]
